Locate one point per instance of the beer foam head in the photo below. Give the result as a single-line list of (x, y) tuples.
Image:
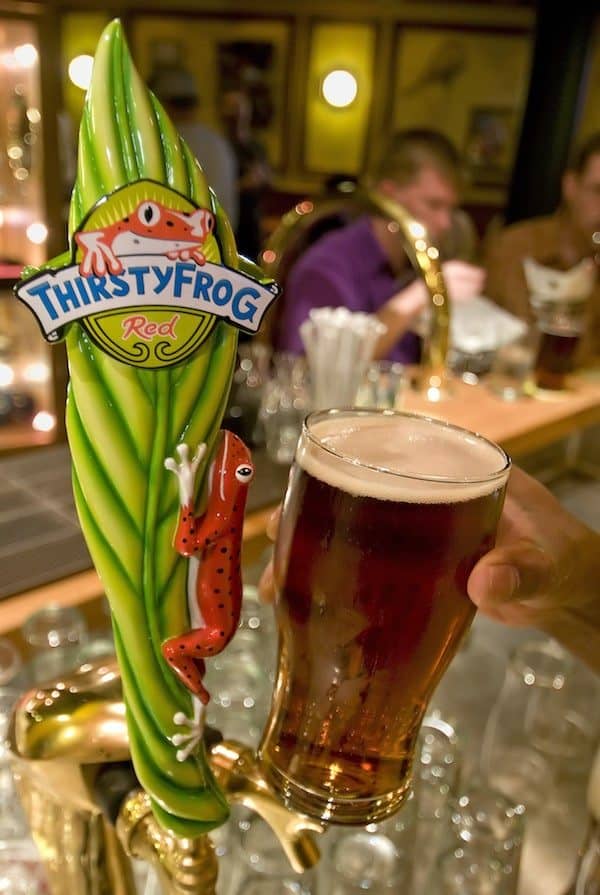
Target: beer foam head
[(400, 457)]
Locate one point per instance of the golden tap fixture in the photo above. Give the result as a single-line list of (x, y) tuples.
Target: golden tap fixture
[(433, 376), (64, 736), (425, 259)]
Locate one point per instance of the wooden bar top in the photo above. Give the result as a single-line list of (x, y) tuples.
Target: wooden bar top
[(521, 426)]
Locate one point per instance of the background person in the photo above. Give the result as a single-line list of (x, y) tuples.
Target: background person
[(560, 241), (364, 266), (176, 89)]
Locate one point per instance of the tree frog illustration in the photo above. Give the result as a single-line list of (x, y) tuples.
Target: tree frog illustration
[(212, 542), (152, 229)]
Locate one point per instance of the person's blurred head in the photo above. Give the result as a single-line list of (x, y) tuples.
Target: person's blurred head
[(176, 89), (236, 114), (421, 169), (581, 187)]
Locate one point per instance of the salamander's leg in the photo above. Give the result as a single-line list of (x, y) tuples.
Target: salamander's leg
[(190, 669), (186, 653)]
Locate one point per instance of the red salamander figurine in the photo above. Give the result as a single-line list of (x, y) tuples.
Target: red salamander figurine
[(212, 542)]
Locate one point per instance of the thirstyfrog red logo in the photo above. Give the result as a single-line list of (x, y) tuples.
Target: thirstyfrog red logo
[(145, 280)]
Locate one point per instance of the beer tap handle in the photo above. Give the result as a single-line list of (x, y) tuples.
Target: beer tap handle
[(238, 771)]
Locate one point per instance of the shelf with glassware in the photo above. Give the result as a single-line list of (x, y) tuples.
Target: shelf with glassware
[(27, 412)]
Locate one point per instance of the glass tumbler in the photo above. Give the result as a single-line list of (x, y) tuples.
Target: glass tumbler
[(55, 634), (436, 776), (262, 866), (377, 858), (11, 665), (284, 405), (383, 386), (470, 870), (546, 719), (482, 816)]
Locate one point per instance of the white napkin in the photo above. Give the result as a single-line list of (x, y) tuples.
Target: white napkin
[(477, 325), (480, 325), (560, 285)]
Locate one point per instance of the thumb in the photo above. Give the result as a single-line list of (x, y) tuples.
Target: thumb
[(520, 572)]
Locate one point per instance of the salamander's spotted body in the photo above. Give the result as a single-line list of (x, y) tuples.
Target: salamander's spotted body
[(212, 542)]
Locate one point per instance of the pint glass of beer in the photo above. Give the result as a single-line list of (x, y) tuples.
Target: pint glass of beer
[(556, 356), (559, 300), (385, 516)]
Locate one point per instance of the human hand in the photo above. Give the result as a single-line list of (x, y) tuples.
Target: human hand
[(266, 585), (544, 571), (463, 281)]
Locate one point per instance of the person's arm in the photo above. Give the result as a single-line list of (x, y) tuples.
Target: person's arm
[(399, 313), (544, 571)]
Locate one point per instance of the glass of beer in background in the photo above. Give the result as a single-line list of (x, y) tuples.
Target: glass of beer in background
[(385, 515), (559, 300), (559, 336)]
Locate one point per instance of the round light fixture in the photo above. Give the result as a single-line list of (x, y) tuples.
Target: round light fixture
[(25, 55), (80, 70), (339, 88), (37, 233), (43, 421)]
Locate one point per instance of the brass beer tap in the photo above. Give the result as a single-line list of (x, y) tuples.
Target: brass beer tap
[(63, 737)]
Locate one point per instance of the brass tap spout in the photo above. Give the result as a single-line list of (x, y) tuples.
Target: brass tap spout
[(238, 772)]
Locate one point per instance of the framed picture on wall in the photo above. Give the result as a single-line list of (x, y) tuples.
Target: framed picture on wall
[(469, 84), (488, 145), (221, 55)]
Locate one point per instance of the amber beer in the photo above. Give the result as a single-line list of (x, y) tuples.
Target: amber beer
[(384, 518), (555, 358)]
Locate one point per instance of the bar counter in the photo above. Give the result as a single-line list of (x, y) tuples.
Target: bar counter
[(522, 427)]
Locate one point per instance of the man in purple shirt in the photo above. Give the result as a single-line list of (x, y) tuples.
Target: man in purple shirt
[(363, 266)]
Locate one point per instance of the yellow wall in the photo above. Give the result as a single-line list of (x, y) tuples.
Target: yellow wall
[(335, 138), (79, 35)]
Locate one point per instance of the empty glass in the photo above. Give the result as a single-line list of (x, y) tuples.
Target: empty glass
[(544, 721), (11, 665), (511, 371), (284, 405), (435, 778), (242, 414), (382, 386), (377, 859), (55, 634), (240, 678), (437, 773), (470, 870), (480, 816), (465, 694), (262, 867)]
